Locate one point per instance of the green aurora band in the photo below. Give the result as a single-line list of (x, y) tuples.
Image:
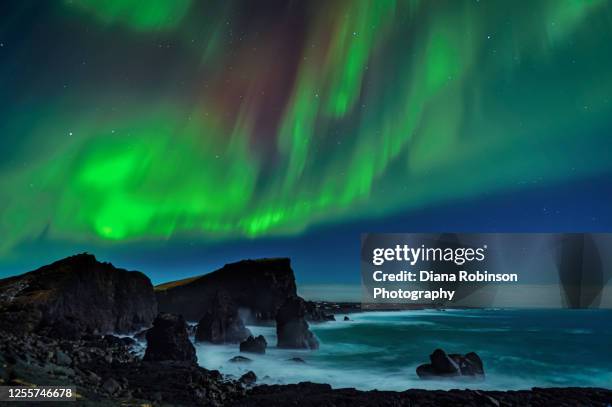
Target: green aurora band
[(391, 106)]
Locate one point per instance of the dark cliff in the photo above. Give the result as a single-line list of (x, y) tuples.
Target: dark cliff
[(75, 296), (260, 285)]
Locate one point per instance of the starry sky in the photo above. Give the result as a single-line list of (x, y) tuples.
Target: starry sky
[(175, 136)]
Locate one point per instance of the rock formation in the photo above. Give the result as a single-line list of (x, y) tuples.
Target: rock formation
[(221, 322), (291, 327), (169, 340), (260, 286), (58, 299), (240, 359), (249, 378), (106, 372), (254, 345), (443, 365)]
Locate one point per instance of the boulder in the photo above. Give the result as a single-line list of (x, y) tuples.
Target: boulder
[(470, 364), (75, 296), (254, 345), (291, 327), (452, 365), (296, 360), (113, 340), (62, 359), (240, 359), (346, 318), (249, 378), (442, 364), (261, 286), (169, 340), (111, 386), (221, 322)]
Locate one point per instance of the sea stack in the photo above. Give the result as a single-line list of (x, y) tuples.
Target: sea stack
[(169, 340), (221, 323), (291, 327)]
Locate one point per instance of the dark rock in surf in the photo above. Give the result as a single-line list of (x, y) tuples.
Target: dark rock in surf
[(221, 323), (470, 364), (169, 340), (240, 359), (291, 327), (248, 379), (254, 345), (451, 365)]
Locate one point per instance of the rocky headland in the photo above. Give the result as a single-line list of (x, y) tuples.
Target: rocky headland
[(243, 282), (59, 326), (76, 296)]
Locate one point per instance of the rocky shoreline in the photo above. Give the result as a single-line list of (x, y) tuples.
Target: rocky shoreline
[(107, 372), (50, 335), (312, 394)]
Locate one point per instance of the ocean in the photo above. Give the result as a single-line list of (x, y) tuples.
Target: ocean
[(520, 349)]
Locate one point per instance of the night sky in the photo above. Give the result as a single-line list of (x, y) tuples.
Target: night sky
[(173, 136)]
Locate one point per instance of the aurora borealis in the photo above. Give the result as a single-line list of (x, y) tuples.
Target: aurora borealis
[(130, 123)]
